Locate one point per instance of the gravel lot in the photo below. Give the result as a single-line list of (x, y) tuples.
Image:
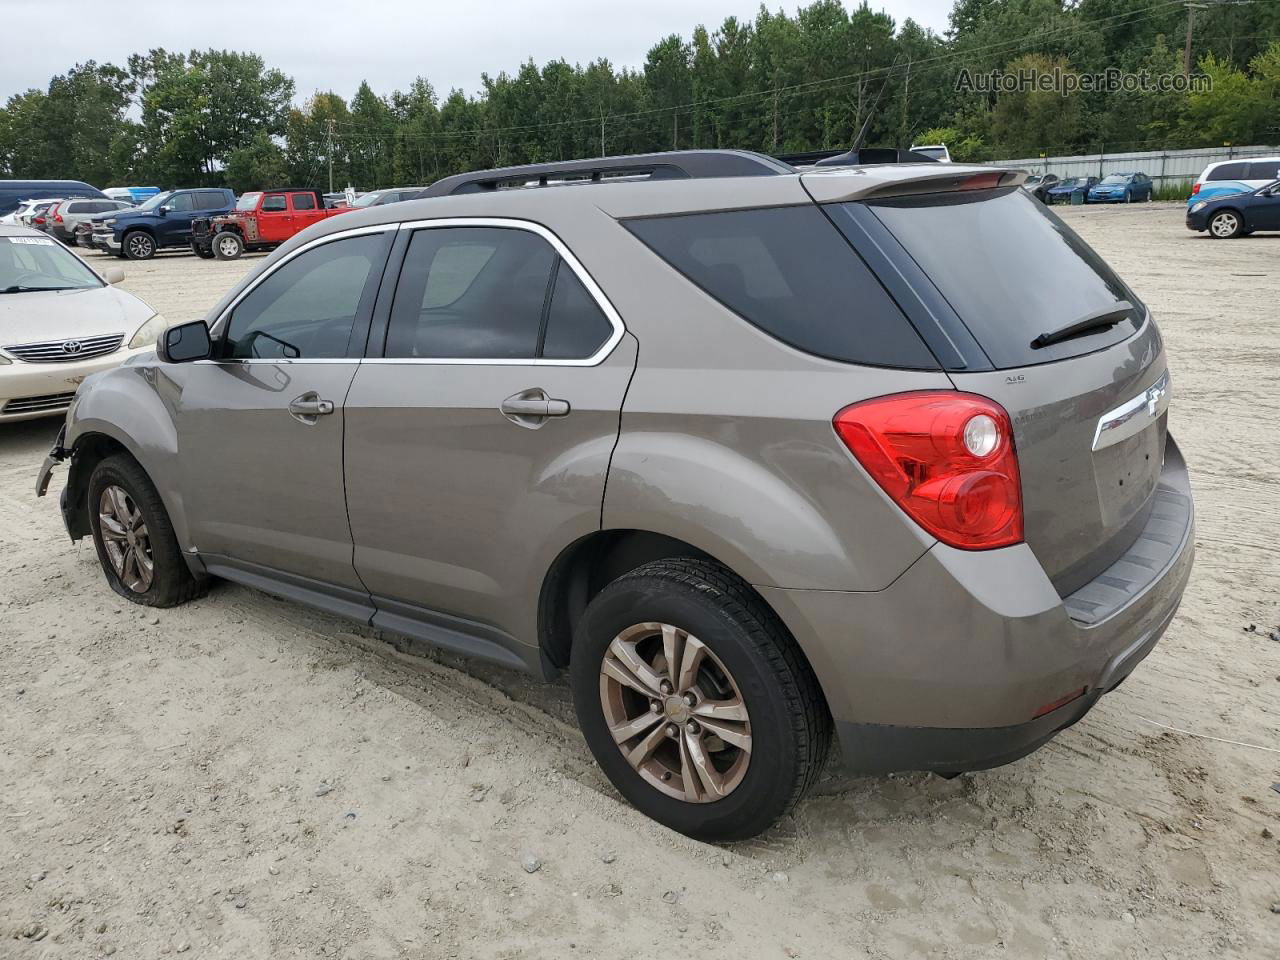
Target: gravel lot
[(245, 778)]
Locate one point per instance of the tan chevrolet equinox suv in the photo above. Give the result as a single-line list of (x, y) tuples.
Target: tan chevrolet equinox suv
[(757, 455)]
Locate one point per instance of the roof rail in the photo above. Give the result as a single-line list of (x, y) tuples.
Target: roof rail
[(672, 165)]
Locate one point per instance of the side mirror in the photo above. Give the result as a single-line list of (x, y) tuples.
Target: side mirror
[(113, 275), (163, 211), (185, 343)]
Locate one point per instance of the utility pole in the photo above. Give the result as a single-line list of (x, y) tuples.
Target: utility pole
[(602, 153), (675, 129), (331, 154)]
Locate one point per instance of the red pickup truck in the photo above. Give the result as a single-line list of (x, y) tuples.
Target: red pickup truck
[(261, 220)]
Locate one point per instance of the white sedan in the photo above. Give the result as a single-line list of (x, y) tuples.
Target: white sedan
[(59, 322)]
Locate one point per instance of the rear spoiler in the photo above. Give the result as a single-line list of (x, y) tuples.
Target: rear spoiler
[(858, 183)]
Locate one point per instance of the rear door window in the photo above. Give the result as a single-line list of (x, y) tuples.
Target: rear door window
[(1229, 171), (1010, 269), (789, 272), (304, 201), (474, 293), (576, 326)]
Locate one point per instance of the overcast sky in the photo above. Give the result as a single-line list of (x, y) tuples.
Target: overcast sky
[(333, 46)]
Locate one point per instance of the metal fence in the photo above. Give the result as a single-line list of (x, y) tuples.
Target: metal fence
[(1160, 165)]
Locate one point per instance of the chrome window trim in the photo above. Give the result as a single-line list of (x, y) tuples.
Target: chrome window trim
[(593, 289), (596, 293)]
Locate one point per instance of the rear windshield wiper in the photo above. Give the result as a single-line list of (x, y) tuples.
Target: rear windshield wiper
[(1098, 320)]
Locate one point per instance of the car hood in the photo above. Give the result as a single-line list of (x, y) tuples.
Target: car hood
[(70, 314)]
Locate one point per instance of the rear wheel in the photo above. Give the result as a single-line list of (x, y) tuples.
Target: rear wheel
[(227, 245), (1225, 225), (696, 702), (139, 245), (134, 538)]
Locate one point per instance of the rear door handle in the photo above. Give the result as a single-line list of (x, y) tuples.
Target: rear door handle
[(308, 407), (531, 408)]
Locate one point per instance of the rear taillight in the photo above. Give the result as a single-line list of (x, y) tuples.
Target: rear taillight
[(38, 220), (946, 458), (1195, 188)]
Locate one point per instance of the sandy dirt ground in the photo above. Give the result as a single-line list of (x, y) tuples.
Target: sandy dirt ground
[(245, 778)]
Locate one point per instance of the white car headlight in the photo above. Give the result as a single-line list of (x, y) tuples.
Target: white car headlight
[(148, 333), (109, 223), (1199, 206)]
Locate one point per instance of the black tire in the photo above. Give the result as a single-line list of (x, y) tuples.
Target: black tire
[(1226, 225), (172, 583), (789, 723), (138, 245), (203, 252), (227, 245)]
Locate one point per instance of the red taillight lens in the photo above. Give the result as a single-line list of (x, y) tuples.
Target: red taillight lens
[(946, 458), (1195, 188), (38, 220)]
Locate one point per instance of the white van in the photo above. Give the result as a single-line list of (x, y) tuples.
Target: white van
[(935, 151), (1234, 176)]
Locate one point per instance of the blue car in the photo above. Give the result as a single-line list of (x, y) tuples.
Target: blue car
[(1236, 215), (1061, 193), (1121, 188)]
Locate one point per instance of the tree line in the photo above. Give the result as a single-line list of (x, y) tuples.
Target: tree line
[(780, 83)]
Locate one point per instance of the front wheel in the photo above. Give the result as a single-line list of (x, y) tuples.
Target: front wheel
[(139, 245), (134, 538), (697, 704), (201, 251), (1226, 225), (227, 245)]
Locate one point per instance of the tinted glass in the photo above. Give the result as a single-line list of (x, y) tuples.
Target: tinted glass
[(470, 292), (1010, 269), (307, 309), (789, 272), (576, 326), (275, 203), (211, 201), (1264, 169), (1229, 171), (304, 201), (181, 202)]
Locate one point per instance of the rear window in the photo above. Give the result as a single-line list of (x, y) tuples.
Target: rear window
[(789, 272), (1010, 269)]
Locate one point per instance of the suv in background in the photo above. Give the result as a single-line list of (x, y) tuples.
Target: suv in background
[(261, 220), (64, 218), (756, 455), (163, 221)]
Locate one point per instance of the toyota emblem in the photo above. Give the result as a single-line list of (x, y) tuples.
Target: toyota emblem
[(71, 346)]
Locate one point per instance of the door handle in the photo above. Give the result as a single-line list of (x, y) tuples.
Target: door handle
[(308, 407), (531, 408)]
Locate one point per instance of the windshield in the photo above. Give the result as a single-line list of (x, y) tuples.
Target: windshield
[(1116, 178), (1010, 269), (936, 152), (1032, 180), (247, 201), (155, 201), (39, 263), (367, 199)]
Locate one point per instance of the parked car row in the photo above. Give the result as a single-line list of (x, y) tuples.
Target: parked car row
[(1115, 188)]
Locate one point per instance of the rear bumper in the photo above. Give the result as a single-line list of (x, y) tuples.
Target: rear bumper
[(955, 665)]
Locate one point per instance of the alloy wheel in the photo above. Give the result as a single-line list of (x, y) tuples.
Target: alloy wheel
[(675, 712), (228, 247), (140, 246), (125, 539), (1224, 225)]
